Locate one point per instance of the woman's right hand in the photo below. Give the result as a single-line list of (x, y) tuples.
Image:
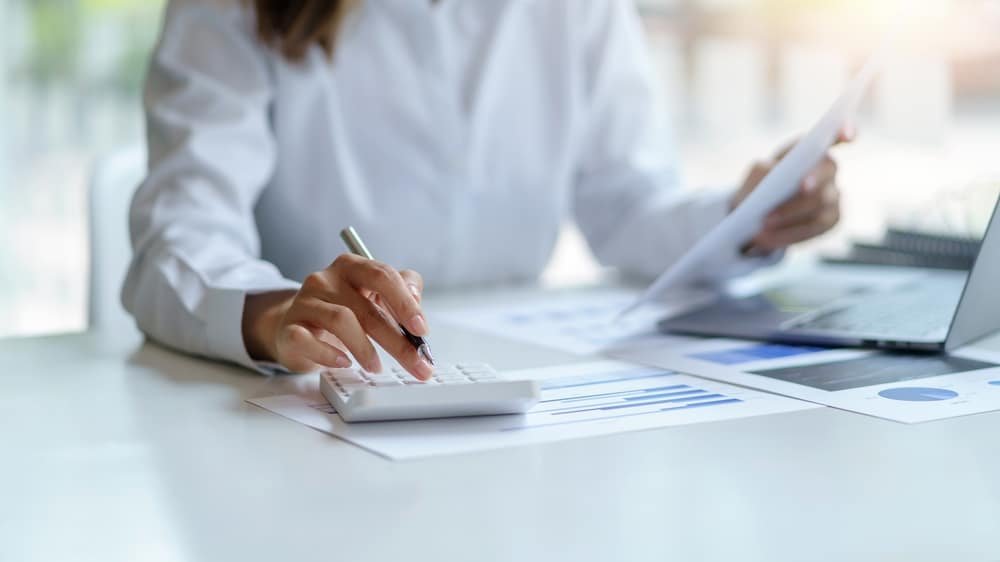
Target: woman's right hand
[(334, 314)]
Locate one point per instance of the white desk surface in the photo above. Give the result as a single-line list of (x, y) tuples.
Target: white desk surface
[(117, 450)]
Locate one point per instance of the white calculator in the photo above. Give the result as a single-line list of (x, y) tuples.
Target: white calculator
[(465, 389)]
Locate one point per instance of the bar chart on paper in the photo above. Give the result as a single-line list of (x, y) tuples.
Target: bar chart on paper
[(627, 393), (578, 400)]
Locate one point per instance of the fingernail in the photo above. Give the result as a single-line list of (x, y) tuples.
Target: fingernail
[(809, 183), (375, 366), (342, 362), (414, 289), (418, 325), (423, 369)]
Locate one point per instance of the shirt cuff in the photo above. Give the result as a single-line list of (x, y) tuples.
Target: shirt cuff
[(223, 317)]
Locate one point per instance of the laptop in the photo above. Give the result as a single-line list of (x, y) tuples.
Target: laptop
[(929, 310)]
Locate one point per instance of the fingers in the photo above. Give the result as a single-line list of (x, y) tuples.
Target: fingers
[(813, 211), (384, 330), (343, 323), (414, 282), (757, 173), (775, 239), (336, 308), (824, 173), (301, 351), (847, 133), (804, 208), (784, 150), (351, 323), (818, 191), (363, 274)]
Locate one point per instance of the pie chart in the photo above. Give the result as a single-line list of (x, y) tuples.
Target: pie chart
[(919, 394)]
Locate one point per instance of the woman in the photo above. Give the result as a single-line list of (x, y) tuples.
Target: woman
[(456, 135)]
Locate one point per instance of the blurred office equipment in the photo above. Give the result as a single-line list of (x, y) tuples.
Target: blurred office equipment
[(943, 230), (912, 248), (914, 99), (724, 66)]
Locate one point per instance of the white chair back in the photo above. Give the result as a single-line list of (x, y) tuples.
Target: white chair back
[(114, 181)]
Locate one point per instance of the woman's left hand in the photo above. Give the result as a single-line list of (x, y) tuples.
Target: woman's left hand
[(813, 211)]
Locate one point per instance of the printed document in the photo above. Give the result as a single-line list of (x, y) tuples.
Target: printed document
[(909, 388), (778, 186), (578, 400), (581, 322)]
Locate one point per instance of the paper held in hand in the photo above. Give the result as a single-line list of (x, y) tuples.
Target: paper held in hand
[(778, 186)]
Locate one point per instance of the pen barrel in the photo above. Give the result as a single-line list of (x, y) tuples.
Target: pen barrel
[(356, 246), (354, 243), (417, 341)]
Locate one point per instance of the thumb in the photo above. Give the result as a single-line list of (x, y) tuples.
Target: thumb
[(847, 133)]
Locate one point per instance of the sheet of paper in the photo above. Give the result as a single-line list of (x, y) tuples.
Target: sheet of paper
[(579, 400), (904, 388), (778, 186), (581, 322)]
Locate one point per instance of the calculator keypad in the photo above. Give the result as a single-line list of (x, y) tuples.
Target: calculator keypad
[(348, 381)]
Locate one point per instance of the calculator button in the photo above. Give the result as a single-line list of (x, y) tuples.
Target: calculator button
[(387, 382), (474, 367), (482, 376), (471, 372)]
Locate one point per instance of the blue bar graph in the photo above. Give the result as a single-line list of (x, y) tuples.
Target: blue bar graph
[(619, 393), (686, 399), (754, 353), (602, 378), (652, 396), (704, 404), (641, 399), (628, 415)]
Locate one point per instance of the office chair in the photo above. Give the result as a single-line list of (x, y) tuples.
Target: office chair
[(114, 180)]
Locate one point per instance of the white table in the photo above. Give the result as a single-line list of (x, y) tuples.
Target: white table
[(118, 450)]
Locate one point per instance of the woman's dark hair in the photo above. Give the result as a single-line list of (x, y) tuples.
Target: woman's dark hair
[(293, 26)]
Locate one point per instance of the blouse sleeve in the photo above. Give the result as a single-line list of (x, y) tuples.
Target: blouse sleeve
[(211, 153)]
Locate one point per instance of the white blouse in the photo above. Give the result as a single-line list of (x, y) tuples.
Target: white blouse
[(456, 136)]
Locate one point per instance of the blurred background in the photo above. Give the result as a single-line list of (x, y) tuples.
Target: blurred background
[(739, 77)]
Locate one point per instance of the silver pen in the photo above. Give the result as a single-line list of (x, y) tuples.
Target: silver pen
[(356, 246)]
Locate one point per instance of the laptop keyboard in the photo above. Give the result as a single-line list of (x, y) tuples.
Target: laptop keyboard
[(910, 312)]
